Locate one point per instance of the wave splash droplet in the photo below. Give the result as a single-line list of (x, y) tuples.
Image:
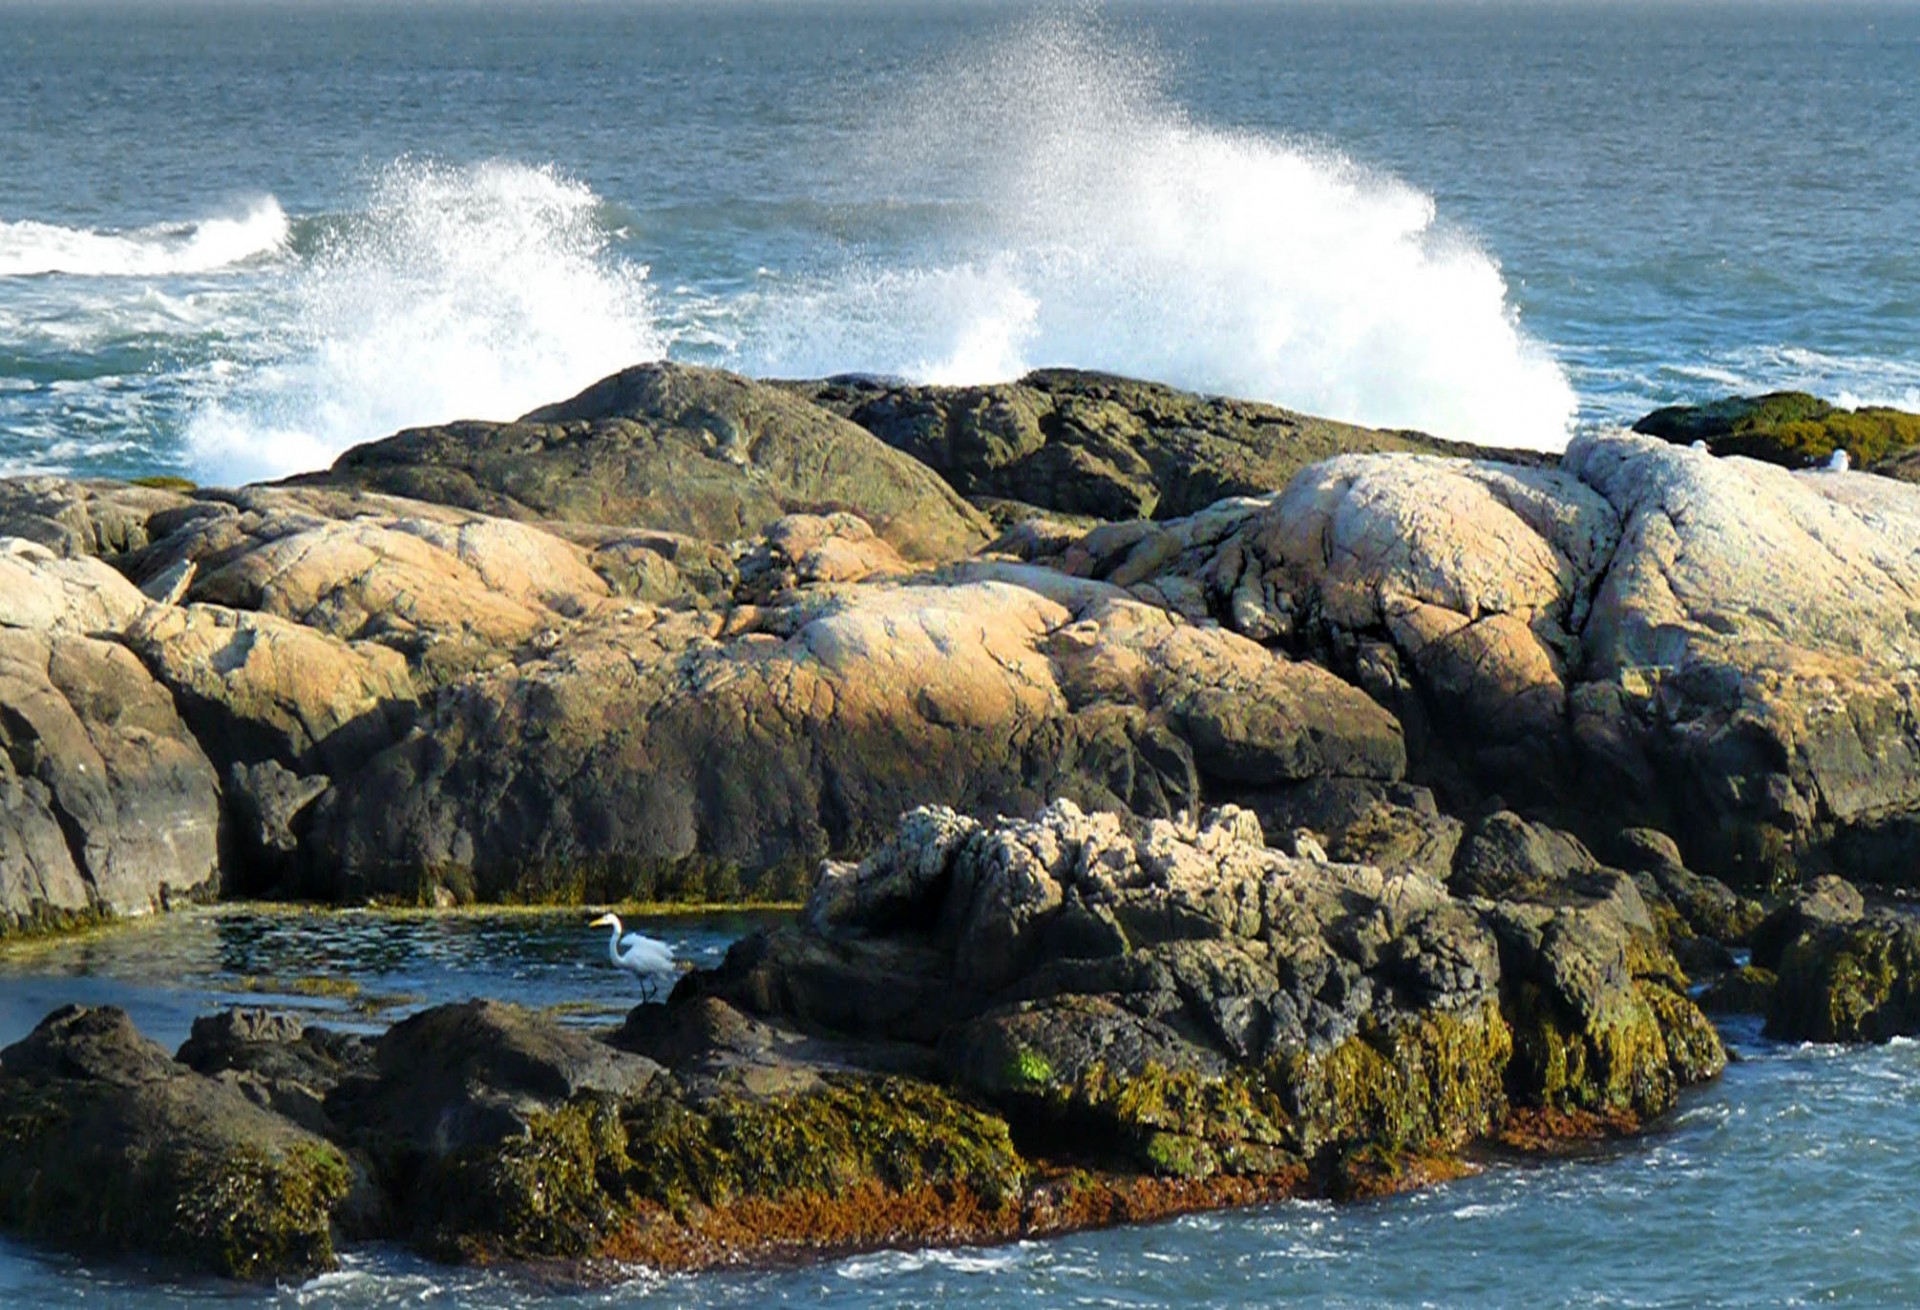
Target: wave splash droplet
[(30, 249), (1091, 223), (474, 292)]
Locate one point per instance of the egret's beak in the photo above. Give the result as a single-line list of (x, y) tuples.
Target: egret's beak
[(601, 922)]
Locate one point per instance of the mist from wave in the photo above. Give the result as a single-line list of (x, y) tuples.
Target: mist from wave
[(457, 292), (1090, 222), (32, 249)]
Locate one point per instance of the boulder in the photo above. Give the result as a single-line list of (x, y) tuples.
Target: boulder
[(44, 592), (107, 805), (1823, 902), (276, 1061), (108, 1145), (457, 1077), (672, 448)]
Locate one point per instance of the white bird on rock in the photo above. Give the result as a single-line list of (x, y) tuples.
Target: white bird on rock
[(1839, 462), (646, 958)]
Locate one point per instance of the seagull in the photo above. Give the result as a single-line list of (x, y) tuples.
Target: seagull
[(646, 958), (1839, 462)]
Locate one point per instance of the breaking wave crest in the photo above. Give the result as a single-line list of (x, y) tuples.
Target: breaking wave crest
[(458, 292), (1091, 223)]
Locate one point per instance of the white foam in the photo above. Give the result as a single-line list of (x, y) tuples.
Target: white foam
[(32, 249), (474, 292), (1092, 224)]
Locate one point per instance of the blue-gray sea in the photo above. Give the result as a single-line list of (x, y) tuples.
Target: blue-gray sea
[(237, 237)]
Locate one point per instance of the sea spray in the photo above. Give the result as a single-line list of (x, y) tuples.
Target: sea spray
[(473, 292), (1089, 222)]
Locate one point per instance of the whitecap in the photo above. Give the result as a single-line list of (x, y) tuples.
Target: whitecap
[(29, 248)]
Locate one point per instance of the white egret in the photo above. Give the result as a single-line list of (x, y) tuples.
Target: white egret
[(646, 958)]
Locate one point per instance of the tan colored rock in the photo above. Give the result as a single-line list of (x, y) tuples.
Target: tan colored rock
[(257, 687), (107, 805), (452, 590), (44, 592), (648, 749)]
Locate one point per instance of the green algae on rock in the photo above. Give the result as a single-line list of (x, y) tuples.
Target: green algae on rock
[(1789, 428), (106, 1144)]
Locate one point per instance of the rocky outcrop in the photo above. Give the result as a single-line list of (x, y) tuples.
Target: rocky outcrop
[(1711, 647), (1077, 443), (1199, 1003), (677, 751), (981, 1032), (672, 448), (79, 517)]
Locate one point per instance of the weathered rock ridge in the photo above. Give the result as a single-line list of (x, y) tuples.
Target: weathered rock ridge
[(619, 691)]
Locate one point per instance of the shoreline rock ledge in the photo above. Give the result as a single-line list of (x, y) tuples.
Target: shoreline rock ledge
[(1493, 758), (982, 1031)]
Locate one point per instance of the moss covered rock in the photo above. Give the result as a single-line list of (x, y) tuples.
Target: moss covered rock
[(1790, 428), (1849, 982), (599, 1175), (107, 1144)]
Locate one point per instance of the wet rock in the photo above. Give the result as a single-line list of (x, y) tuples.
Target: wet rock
[(276, 1061), (1393, 826), (1849, 980), (471, 1075), (1824, 901), (1507, 858), (1789, 428), (1200, 1002), (108, 1145)]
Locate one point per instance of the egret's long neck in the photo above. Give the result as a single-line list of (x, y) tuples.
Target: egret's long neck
[(613, 943)]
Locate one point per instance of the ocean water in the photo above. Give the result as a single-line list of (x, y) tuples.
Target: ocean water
[(237, 236)]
